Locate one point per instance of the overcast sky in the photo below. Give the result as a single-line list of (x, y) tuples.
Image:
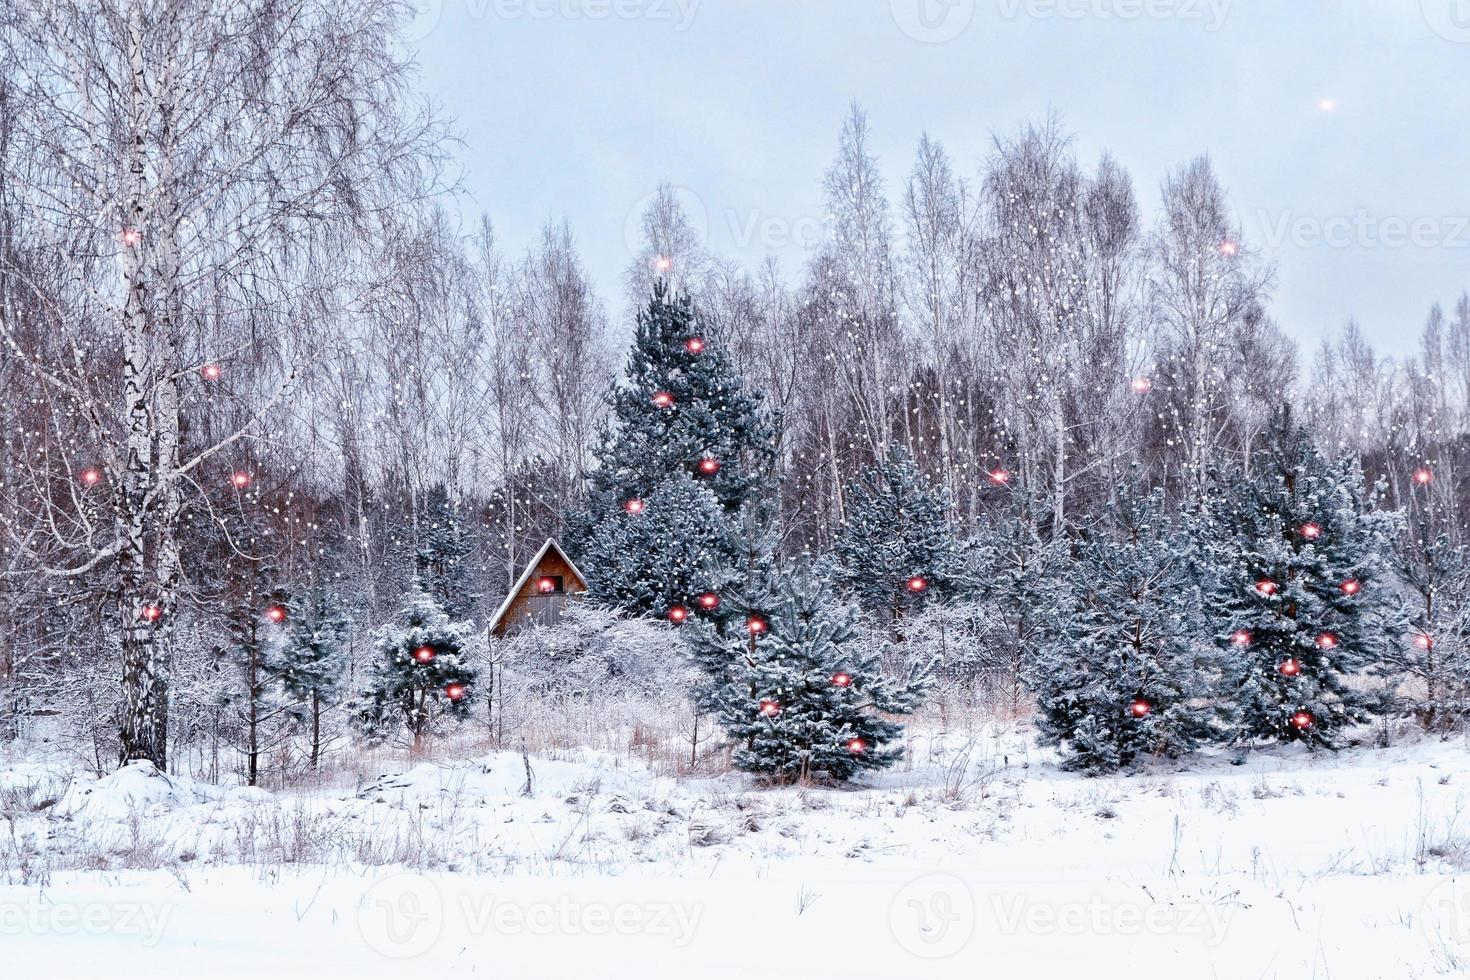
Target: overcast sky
[(1339, 127)]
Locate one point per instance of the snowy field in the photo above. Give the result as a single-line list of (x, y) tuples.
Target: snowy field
[(979, 860)]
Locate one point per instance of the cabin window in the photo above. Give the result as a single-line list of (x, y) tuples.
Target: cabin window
[(549, 585)]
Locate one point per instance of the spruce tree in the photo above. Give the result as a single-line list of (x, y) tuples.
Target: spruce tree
[(681, 417), (795, 691), (896, 548), (1126, 673), (444, 545), (420, 673), (1434, 653), (313, 659), (1302, 598)]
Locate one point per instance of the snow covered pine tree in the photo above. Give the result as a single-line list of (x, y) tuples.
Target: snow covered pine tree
[(1126, 673), (420, 673), (313, 659), (1302, 598), (444, 544), (896, 546), (686, 447), (795, 691)]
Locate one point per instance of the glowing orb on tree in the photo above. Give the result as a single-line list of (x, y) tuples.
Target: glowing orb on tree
[(842, 679), (1326, 640), (756, 625), (633, 506), (211, 372), (424, 654), (1140, 708), (1311, 531), (770, 708), (130, 237), (1000, 477), (1423, 641), (152, 612), (240, 479), (677, 614), (1423, 476), (1241, 638), (455, 692), (856, 746), (1141, 386), (918, 584), (1351, 587), (91, 476), (1228, 247), (663, 263), (276, 614), (663, 399), (708, 600), (1267, 587), (709, 466), (694, 345), (1301, 720), (1289, 667)]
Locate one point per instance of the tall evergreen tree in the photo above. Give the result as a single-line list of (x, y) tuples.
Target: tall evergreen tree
[(444, 544), (681, 421), (1434, 655), (313, 658), (1127, 673), (795, 691), (1302, 597), (421, 672), (896, 547)]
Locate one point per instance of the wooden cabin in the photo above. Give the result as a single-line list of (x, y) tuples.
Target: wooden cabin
[(542, 592)]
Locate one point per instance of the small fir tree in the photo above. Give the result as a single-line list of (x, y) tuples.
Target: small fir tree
[(795, 692), (1434, 653), (313, 659), (1126, 672), (1302, 600), (444, 545), (421, 672), (896, 548)]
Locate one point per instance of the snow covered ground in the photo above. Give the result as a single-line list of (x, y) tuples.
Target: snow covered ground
[(980, 860)]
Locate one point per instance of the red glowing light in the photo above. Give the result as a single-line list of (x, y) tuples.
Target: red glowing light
[(544, 585), (1289, 667), (1141, 386), (663, 263), (130, 237), (1301, 720), (1424, 476), (857, 746), (918, 583), (1351, 587), (1311, 531), (1267, 587), (91, 476), (455, 692), (708, 600), (211, 372), (770, 708), (842, 680), (677, 614), (756, 625), (1000, 477), (663, 399), (1228, 247), (1327, 640), (1140, 708), (240, 479), (709, 466), (694, 345), (152, 612), (1241, 638), (1423, 641), (276, 614), (633, 506), (424, 654)]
